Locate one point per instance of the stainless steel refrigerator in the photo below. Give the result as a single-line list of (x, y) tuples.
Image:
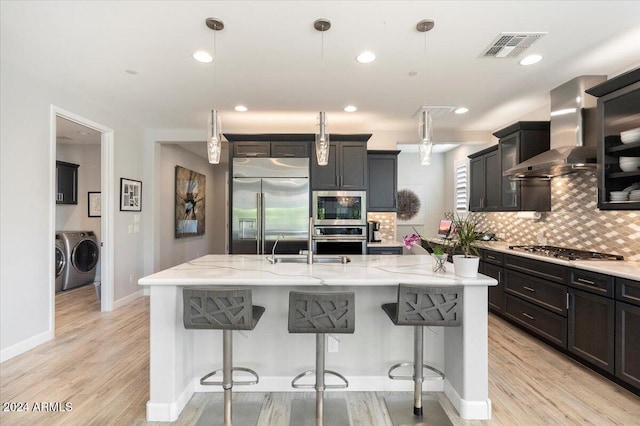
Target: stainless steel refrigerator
[(270, 198)]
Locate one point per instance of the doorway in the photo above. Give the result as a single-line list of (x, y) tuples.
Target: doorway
[(89, 145)]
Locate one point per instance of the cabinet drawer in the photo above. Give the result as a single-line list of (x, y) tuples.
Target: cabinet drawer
[(494, 257), (547, 270), (384, 250), (544, 293), (290, 149), (591, 281), (628, 291), (548, 325)]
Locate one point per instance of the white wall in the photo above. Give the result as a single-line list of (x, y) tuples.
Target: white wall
[(429, 181), (75, 217), (174, 251), (27, 204)]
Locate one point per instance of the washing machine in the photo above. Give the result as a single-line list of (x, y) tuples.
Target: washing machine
[(83, 252), (60, 262)]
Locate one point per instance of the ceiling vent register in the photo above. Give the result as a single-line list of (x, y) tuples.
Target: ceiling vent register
[(510, 45)]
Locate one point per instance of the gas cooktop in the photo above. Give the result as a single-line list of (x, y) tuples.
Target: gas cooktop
[(566, 253)]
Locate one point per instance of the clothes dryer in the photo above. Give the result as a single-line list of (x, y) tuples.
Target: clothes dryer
[(60, 262), (81, 248)]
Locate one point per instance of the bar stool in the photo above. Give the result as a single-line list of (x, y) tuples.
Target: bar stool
[(224, 309), (321, 313), (421, 306)]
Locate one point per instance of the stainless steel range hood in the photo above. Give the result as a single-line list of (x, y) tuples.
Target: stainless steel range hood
[(573, 133)]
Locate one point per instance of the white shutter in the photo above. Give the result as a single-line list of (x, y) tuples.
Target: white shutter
[(461, 179)]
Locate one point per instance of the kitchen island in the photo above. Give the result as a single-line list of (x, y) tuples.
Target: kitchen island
[(179, 357)]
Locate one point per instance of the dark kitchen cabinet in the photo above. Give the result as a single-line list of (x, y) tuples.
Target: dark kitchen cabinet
[(628, 343), (347, 165), (492, 262), (591, 328), (485, 180), (383, 181), (271, 149), (618, 111), (628, 331), (517, 143), (66, 183)]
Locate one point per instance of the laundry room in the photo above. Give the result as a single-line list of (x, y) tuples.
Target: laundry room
[(78, 212)]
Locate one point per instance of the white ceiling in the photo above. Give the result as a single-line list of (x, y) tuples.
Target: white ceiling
[(268, 58)]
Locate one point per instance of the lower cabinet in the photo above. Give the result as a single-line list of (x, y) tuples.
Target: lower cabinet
[(495, 292), (591, 332), (628, 343), (551, 327)]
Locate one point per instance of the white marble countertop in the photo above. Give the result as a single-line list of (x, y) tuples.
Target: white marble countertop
[(370, 270), (622, 269)]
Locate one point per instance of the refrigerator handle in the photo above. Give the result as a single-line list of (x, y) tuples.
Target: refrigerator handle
[(262, 221), (258, 221)]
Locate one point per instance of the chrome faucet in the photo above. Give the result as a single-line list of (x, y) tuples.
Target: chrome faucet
[(273, 250), (310, 243)]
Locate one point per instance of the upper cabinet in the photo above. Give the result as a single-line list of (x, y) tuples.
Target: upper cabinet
[(485, 180), (288, 145), (619, 141), (490, 190), (520, 142), (66, 183), (383, 181), (347, 165)]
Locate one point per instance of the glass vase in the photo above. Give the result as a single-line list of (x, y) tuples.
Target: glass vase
[(439, 262)]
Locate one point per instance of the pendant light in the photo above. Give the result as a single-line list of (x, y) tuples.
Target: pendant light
[(322, 137), (214, 142), (425, 129)]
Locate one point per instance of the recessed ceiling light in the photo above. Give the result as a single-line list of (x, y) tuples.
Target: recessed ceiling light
[(202, 56), (241, 108), (461, 110), (531, 59), (350, 108), (366, 57)]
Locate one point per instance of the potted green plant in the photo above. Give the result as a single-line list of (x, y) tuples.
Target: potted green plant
[(464, 230)]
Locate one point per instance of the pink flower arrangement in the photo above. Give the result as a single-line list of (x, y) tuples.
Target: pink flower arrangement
[(411, 240)]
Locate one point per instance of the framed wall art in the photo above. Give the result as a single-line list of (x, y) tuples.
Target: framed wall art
[(190, 203), (130, 195), (95, 204)]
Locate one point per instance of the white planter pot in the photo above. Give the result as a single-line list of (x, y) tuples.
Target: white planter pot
[(466, 266)]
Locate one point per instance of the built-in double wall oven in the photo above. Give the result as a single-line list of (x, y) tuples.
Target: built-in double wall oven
[(340, 222)]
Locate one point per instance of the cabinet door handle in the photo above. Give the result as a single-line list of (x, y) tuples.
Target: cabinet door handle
[(491, 257), (499, 276), (583, 281), (528, 316), (568, 301), (532, 290)]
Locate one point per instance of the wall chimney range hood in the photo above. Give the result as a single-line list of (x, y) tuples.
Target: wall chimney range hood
[(573, 133)]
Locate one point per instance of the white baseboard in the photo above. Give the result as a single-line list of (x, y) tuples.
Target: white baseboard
[(25, 345), (468, 410), (169, 412), (127, 299)]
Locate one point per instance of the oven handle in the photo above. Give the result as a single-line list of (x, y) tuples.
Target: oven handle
[(339, 239)]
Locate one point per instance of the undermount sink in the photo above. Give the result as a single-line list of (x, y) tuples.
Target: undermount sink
[(303, 259)]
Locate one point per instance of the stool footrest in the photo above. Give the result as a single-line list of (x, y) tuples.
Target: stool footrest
[(312, 386), (203, 380), (440, 374)]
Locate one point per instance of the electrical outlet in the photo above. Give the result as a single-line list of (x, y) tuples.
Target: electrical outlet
[(332, 344)]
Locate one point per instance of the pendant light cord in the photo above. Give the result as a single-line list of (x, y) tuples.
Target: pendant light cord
[(322, 71), (426, 65)]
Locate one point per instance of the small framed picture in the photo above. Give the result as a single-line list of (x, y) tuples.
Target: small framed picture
[(130, 195), (95, 204)]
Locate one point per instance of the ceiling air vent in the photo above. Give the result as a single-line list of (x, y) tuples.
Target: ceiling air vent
[(510, 45)]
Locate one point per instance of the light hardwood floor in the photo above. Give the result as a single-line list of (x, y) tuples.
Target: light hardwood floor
[(99, 363)]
